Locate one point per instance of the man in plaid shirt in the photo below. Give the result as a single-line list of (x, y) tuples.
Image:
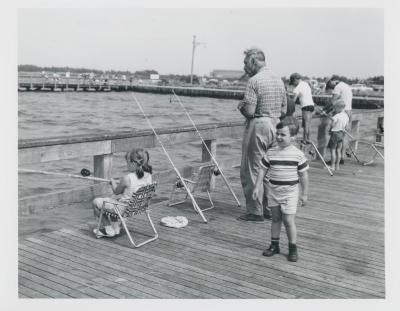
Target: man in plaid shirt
[(264, 102)]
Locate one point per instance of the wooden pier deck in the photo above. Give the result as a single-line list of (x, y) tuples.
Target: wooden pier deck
[(340, 240)]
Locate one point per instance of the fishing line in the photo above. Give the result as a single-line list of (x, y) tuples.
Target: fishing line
[(196, 207), (205, 145), (62, 174)]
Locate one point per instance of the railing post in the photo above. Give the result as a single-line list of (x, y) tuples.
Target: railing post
[(103, 166), (206, 157)]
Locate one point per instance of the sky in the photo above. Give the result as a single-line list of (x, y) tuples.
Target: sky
[(315, 42)]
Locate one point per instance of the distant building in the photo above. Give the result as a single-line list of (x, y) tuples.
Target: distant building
[(227, 74)]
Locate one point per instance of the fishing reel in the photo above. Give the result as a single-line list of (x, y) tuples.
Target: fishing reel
[(179, 183), (85, 172), (217, 172)]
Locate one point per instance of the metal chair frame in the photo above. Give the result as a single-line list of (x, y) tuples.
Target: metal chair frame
[(199, 181), (138, 204)]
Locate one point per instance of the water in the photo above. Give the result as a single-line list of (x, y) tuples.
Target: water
[(45, 115)]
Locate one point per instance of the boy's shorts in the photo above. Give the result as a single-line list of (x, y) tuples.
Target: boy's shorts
[(287, 197), (336, 138), (308, 108)]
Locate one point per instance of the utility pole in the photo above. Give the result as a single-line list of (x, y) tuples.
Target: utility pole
[(194, 48)]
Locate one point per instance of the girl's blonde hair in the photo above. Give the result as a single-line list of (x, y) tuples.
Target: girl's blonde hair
[(141, 158)]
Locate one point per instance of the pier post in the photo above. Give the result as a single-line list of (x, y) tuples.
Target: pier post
[(206, 157), (103, 166)]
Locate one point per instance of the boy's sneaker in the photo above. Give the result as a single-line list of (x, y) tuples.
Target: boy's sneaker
[(273, 249), (292, 253), (251, 218)]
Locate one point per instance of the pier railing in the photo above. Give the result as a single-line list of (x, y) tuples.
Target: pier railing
[(103, 147)]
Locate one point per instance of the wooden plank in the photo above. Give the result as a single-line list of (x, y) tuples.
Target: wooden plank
[(129, 270), (203, 282), (116, 281), (27, 291), (239, 285), (28, 278), (61, 152), (65, 282), (195, 242)]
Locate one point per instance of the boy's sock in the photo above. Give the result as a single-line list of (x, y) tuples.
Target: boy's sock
[(273, 248), (292, 252)]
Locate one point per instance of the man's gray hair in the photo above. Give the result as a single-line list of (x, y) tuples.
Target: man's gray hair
[(258, 53)]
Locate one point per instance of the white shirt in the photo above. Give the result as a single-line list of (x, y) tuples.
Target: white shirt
[(339, 121), (303, 92), (345, 93)]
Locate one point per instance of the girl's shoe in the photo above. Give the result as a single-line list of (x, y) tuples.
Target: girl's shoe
[(107, 231)]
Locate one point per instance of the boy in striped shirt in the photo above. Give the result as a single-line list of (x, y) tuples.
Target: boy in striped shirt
[(284, 166)]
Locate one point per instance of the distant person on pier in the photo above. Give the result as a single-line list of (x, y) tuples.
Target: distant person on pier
[(137, 161), (263, 104), (339, 123), (341, 91), (303, 95)]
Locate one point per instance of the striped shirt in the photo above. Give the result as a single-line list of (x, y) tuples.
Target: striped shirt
[(284, 165), (267, 93)]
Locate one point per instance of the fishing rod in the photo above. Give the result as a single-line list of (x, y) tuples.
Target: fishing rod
[(196, 207), (205, 145), (62, 174)]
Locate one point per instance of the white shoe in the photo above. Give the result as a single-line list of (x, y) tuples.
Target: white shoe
[(116, 226), (107, 231)]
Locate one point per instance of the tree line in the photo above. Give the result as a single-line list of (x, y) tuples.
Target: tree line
[(379, 80)]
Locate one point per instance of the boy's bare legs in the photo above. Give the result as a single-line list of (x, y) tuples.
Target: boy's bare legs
[(339, 149), (275, 231), (333, 158), (291, 231), (307, 125), (276, 222)]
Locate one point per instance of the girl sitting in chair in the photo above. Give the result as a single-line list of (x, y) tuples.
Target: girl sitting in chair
[(137, 161)]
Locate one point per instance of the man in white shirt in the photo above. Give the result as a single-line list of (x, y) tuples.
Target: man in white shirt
[(341, 91), (303, 95)]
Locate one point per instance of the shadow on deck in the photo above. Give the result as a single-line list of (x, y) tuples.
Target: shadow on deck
[(340, 240)]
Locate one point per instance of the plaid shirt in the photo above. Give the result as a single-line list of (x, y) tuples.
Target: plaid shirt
[(265, 92)]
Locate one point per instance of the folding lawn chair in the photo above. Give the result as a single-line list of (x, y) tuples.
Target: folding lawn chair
[(198, 182), (138, 204)]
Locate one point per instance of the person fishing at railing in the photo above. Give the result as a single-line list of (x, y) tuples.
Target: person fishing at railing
[(137, 161), (303, 95), (341, 91), (339, 123), (264, 102)]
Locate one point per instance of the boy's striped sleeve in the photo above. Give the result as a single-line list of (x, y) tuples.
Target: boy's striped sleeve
[(302, 166)]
